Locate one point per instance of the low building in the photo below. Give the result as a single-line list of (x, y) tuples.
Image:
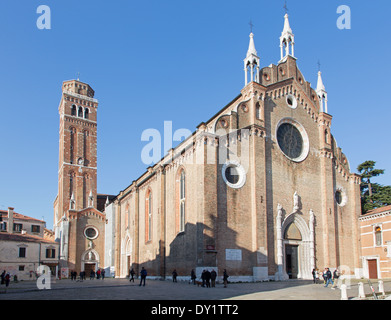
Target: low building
[(375, 230), (25, 244)]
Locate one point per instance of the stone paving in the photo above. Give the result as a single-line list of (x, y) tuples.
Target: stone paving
[(122, 289)]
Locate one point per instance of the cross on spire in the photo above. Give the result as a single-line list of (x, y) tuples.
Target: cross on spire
[(251, 26), (78, 76), (318, 65), (286, 7)]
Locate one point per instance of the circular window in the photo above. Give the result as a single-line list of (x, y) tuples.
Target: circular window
[(340, 197), (234, 175), (91, 233), (291, 101), (292, 140)]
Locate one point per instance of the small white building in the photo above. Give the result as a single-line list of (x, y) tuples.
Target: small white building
[(23, 246)]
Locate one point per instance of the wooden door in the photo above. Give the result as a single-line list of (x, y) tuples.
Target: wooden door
[(372, 269)]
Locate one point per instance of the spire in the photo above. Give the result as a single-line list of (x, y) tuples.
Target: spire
[(251, 63), (251, 47), (287, 39), (320, 86), (322, 93)]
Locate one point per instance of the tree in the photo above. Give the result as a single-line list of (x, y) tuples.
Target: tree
[(373, 195)]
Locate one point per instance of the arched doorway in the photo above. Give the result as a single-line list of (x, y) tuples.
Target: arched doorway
[(298, 248), (292, 240), (89, 261)]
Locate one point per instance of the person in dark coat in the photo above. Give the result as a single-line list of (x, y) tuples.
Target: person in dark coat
[(225, 278), (132, 273), (193, 276), (207, 278), (143, 275), (203, 278), (213, 276), (174, 275)]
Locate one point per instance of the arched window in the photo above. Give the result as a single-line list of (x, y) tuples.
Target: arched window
[(127, 214), (378, 236), (80, 113), (182, 201), (148, 216), (258, 111), (72, 144), (71, 183), (85, 143), (86, 113), (85, 177), (73, 112)]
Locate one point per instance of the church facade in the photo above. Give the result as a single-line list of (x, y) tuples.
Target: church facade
[(261, 189)]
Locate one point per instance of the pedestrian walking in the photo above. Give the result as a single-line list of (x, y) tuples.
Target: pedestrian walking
[(98, 274), (174, 275), (3, 277), (203, 278), (7, 279), (193, 276), (315, 275), (329, 277), (225, 278), (132, 273), (207, 278), (213, 276), (102, 274), (143, 275), (92, 275), (335, 278), (324, 275)]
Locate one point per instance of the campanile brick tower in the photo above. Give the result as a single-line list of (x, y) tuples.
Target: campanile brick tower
[(78, 223)]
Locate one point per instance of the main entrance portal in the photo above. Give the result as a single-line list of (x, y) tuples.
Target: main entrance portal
[(88, 267), (291, 261)]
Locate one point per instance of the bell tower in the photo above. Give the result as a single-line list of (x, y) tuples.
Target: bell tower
[(77, 175), (78, 224)]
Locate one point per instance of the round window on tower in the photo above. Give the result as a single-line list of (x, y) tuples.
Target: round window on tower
[(91, 233), (234, 174)]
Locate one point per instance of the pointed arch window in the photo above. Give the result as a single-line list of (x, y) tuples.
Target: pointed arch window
[(71, 183), (182, 201), (127, 214), (148, 216), (85, 144), (72, 144), (80, 113)]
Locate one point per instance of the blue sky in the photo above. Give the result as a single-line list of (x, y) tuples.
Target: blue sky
[(180, 61)]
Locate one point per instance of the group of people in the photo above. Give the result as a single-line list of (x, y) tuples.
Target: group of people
[(208, 277), (143, 276), (327, 275), (5, 278), (100, 274)]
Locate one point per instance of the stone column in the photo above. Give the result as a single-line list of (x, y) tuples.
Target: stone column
[(280, 256), (312, 239)]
